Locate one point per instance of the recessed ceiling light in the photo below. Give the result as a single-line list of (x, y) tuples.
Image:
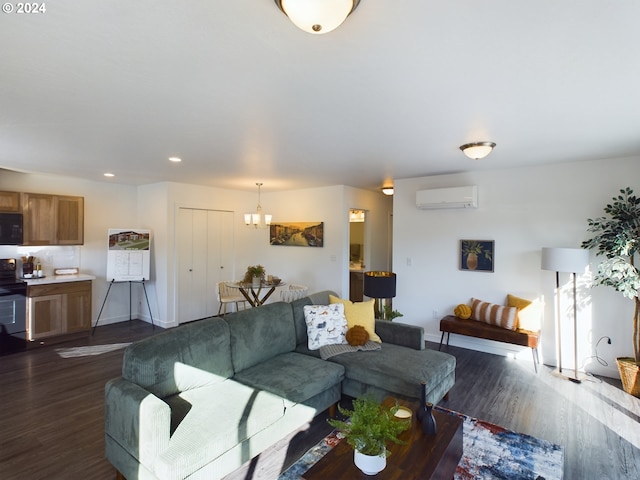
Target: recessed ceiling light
[(109, 175), (175, 159)]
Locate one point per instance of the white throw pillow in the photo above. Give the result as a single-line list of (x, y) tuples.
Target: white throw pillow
[(326, 325)]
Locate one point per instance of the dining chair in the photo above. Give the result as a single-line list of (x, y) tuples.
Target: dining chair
[(227, 295), (292, 293)]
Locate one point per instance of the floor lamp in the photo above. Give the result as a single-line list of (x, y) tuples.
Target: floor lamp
[(379, 285), (570, 260)]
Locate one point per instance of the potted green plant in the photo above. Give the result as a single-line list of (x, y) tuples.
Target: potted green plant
[(390, 313), (617, 237), (254, 274), (368, 429)]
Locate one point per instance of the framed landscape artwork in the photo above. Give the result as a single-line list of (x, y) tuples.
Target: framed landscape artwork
[(476, 255), (297, 234)]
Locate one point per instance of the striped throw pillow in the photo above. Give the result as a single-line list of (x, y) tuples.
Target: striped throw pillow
[(493, 314)]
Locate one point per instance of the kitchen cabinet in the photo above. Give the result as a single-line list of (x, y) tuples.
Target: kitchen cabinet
[(52, 219), (58, 309), (45, 316), (10, 202)]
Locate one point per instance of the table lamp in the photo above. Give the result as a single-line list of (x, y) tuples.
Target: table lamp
[(379, 285), (571, 260)]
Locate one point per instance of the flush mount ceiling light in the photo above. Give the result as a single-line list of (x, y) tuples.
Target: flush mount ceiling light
[(257, 219), (387, 190), (317, 16), (477, 150)]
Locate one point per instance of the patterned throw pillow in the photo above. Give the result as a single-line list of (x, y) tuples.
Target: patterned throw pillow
[(326, 325), (359, 313), (493, 314)]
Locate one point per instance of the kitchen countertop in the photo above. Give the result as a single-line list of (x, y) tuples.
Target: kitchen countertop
[(80, 277)]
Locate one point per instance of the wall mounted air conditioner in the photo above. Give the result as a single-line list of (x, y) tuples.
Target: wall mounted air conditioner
[(455, 197)]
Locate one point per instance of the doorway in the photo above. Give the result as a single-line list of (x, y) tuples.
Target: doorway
[(357, 253)]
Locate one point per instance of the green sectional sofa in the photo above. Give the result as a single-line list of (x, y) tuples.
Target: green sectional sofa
[(200, 400)]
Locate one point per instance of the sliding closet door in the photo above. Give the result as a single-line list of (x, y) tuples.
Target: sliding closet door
[(205, 257)]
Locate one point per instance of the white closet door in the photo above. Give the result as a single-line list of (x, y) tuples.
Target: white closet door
[(184, 254), (220, 248), (205, 257)]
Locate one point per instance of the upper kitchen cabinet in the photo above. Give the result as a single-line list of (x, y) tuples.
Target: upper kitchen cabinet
[(52, 219), (10, 202)]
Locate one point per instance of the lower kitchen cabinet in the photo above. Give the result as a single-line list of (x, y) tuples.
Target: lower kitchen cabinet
[(58, 309)]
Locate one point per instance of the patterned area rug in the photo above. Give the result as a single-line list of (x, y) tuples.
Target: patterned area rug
[(488, 452)]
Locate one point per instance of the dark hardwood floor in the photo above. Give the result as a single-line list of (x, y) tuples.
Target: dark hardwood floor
[(51, 411)]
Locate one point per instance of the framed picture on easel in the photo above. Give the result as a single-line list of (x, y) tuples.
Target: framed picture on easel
[(128, 258)]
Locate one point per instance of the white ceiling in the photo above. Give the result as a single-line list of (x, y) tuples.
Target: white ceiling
[(242, 95)]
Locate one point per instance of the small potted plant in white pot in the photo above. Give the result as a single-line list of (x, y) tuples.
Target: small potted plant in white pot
[(254, 275), (368, 429), (617, 236)]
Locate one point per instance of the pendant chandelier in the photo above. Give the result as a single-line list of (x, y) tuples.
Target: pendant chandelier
[(257, 219), (317, 16)]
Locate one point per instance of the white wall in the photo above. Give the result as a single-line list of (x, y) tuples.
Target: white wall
[(522, 210)]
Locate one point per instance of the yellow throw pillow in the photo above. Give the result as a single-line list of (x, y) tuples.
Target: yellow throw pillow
[(462, 311), (513, 301), (529, 312), (359, 313)]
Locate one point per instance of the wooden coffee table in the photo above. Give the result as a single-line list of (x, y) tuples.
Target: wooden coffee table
[(421, 457)]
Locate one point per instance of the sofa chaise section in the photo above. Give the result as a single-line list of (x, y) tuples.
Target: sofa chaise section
[(396, 370)]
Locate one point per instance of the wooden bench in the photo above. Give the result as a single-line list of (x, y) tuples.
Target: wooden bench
[(472, 328)]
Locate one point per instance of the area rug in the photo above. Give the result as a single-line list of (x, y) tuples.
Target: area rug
[(488, 452)]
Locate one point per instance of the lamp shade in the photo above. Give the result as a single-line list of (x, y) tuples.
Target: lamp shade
[(380, 284), (572, 260)]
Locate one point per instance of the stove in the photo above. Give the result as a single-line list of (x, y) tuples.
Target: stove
[(13, 309)]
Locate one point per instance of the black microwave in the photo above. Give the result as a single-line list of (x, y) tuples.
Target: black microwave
[(10, 229)]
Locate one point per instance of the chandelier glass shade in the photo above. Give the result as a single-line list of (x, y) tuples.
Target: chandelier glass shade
[(257, 219), (317, 16)]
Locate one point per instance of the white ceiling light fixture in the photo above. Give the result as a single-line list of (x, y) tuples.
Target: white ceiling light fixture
[(175, 159), (257, 219), (317, 16), (387, 190), (477, 150)]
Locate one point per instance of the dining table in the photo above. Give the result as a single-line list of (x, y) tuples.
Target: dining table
[(255, 294)]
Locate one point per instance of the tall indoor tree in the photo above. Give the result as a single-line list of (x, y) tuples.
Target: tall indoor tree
[(617, 237)]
